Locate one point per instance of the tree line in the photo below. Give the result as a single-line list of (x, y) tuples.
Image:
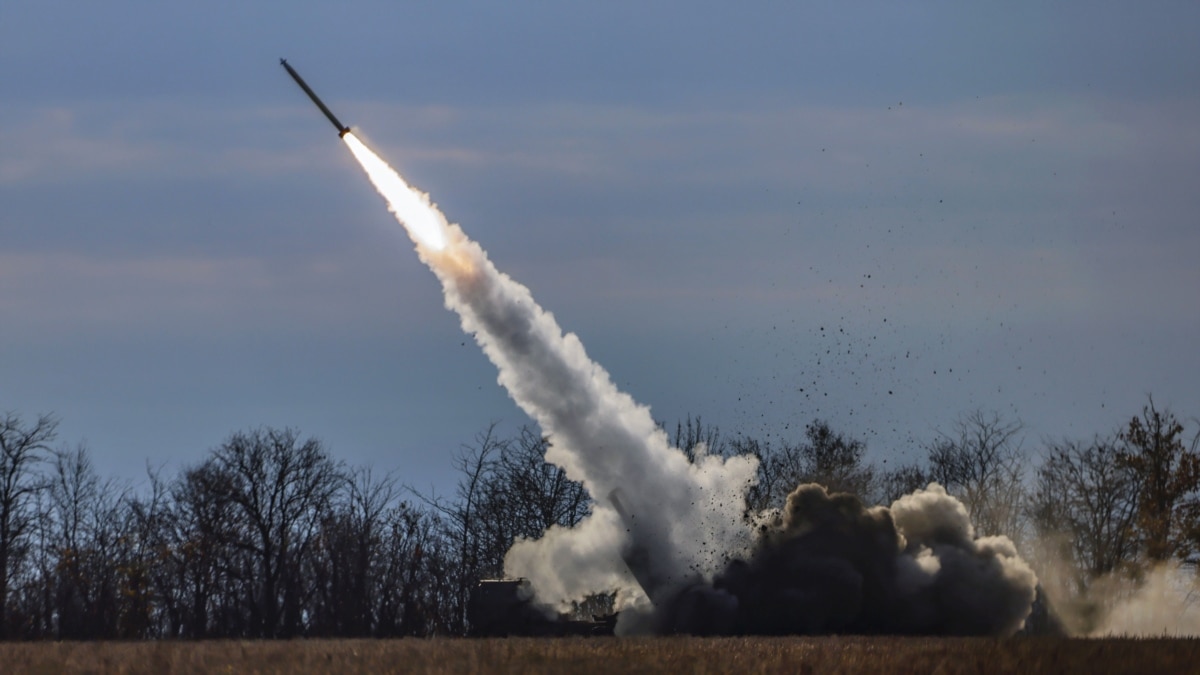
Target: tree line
[(269, 536)]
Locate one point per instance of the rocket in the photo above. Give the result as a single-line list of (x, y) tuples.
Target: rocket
[(342, 129)]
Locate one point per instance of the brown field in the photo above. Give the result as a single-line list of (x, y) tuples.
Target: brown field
[(608, 655)]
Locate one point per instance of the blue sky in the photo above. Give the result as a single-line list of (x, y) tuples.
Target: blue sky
[(880, 214)]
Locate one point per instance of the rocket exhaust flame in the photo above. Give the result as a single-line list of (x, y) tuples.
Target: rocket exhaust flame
[(425, 224)]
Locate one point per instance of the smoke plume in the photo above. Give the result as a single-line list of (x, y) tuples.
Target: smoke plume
[(824, 564), (827, 564), (1166, 602), (1144, 599), (688, 514)]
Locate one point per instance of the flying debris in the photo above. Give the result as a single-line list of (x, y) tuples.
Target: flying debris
[(342, 129)]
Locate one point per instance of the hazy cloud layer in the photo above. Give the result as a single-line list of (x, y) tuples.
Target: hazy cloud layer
[(758, 216)]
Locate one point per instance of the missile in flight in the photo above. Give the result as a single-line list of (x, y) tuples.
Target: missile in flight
[(342, 129)]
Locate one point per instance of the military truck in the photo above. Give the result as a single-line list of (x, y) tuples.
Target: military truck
[(505, 607)]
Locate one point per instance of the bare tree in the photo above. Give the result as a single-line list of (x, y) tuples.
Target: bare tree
[(22, 447), (893, 484), (279, 489), (1168, 473), (693, 434), (85, 543), (826, 456), (418, 593), (524, 495), (1084, 511), (474, 464), (982, 464), (346, 566), (144, 566), (199, 570), (779, 471), (836, 461), (1085, 493)]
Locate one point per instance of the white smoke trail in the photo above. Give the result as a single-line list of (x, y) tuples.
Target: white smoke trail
[(688, 515)]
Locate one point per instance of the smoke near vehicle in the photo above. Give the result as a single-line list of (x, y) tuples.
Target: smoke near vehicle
[(828, 564)]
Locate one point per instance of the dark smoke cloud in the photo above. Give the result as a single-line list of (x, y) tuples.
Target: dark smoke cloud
[(827, 564)]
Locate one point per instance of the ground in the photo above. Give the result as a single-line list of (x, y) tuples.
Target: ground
[(608, 655)]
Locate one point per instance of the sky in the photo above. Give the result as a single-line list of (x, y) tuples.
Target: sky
[(883, 215)]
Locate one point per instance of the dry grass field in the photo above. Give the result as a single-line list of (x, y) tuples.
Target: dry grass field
[(609, 655)]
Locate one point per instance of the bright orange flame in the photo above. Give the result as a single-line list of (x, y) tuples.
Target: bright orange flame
[(425, 224)]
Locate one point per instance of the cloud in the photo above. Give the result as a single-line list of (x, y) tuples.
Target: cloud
[(54, 293), (994, 208), (51, 143), (1005, 207), (150, 140)]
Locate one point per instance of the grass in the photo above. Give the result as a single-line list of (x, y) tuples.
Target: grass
[(608, 655)]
